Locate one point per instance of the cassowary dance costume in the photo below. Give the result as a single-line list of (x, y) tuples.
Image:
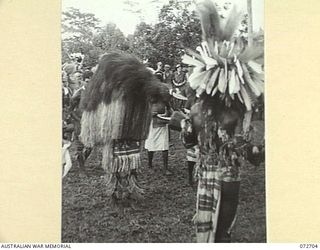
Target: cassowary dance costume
[(117, 115)]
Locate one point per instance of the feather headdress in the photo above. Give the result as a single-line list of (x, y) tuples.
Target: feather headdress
[(224, 65)]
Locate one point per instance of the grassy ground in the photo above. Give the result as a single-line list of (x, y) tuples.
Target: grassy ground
[(164, 215)]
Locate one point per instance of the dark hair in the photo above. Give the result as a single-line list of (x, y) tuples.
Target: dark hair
[(159, 75), (87, 74)]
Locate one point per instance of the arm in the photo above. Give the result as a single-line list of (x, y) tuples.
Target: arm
[(75, 116), (188, 135), (179, 84), (77, 93)]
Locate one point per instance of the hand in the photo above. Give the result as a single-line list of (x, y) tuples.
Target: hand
[(186, 126), (255, 150), (183, 124)]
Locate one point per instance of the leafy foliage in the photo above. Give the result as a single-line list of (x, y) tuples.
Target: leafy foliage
[(110, 38), (177, 27), (78, 25), (77, 31)]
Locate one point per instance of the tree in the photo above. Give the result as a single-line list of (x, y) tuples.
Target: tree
[(177, 28), (141, 43), (78, 25), (250, 25), (110, 38), (81, 32), (77, 31)]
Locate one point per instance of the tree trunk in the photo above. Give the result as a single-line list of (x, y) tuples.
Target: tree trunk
[(250, 25)]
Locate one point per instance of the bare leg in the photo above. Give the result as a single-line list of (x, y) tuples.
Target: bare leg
[(228, 208), (190, 171), (87, 152), (150, 157), (165, 156), (80, 156), (165, 159)]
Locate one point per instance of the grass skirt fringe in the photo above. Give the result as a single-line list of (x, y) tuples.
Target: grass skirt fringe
[(121, 160), (109, 125), (103, 124), (126, 163)]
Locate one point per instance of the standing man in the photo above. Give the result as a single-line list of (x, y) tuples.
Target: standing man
[(167, 75), (179, 87), (179, 79), (159, 73), (82, 152), (158, 138)]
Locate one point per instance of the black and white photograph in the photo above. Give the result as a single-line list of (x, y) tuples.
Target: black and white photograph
[(163, 128)]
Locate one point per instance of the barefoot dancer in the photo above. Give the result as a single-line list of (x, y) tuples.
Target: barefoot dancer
[(117, 115), (228, 80)]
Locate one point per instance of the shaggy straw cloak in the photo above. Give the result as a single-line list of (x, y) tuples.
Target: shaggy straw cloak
[(116, 115)]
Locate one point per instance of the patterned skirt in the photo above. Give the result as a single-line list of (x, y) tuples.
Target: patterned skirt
[(122, 173), (217, 200)]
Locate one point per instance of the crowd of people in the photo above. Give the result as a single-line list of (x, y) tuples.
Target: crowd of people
[(159, 133), (175, 79), (74, 80), (183, 99)]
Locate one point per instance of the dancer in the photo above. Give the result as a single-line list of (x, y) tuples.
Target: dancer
[(227, 79), (117, 116)]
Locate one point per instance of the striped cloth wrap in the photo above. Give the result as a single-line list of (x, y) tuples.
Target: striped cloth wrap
[(215, 167)]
